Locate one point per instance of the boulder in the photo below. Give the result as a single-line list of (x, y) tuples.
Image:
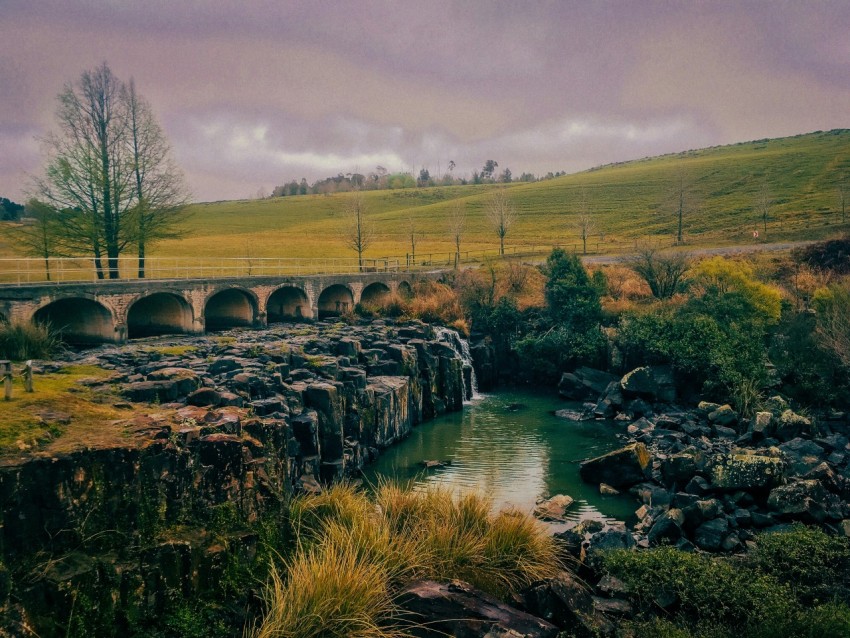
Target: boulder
[(620, 468), (746, 472), (723, 416), (584, 383), (679, 468), (566, 602), (457, 609), (655, 383), (605, 541), (667, 529), (790, 425), (610, 402), (761, 423), (710, 535), (204, 397), (554, 509), (800, 499)]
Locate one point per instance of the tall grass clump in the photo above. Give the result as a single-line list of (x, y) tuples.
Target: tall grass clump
[(355, 553), (329, 591), (21, 341)]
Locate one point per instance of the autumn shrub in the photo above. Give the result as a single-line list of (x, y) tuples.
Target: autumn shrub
[(625, 283), (832, 255)]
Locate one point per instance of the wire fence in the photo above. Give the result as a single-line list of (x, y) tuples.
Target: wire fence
[(23, 271)]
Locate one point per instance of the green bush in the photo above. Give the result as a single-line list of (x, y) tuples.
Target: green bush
[(716, 345), (22, 341), (794, 584), (571, 297), (708, 590), (813, 564), (544, 357)]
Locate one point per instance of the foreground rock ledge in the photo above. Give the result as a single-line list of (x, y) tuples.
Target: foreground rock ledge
[(457, 609)]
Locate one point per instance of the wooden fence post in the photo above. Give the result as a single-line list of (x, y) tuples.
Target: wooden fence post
[(28, 376), (6, 371)]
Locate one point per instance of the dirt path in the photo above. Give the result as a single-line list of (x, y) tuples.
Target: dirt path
[(700, 252)]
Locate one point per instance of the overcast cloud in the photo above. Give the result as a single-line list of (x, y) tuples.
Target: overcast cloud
[(255, 93)]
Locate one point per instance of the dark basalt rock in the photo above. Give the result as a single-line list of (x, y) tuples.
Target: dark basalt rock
[(620, 468), (457, 609)]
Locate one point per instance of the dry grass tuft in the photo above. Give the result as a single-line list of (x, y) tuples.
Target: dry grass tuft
[(358, 553)]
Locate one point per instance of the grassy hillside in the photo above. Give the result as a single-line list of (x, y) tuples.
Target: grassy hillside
[(630, 201)]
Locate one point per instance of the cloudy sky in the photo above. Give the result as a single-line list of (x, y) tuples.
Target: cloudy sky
[(254, 93)]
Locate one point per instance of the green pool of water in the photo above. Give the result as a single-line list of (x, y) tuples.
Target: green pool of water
[(510, 446)]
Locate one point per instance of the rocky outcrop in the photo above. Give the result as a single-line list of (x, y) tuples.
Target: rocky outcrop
[(710, 479), (224, 433)]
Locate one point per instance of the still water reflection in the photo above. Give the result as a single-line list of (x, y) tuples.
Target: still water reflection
[(510, 446)]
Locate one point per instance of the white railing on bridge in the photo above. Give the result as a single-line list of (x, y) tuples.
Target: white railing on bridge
[(21, 271), (59, 270)]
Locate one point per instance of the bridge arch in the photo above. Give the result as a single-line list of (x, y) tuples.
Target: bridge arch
[(79, 320), (230, 308), (374, 293), (335, 300), (159, 313), (288, 302), (405, 290)]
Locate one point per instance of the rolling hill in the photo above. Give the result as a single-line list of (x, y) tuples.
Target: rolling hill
[(630, 201)]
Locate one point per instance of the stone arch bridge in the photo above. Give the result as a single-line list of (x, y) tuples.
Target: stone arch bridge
[(114, 311)]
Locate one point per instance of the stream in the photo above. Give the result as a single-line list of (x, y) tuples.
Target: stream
[(510, 446)]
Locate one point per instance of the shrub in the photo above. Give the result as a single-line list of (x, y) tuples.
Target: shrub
[(709, 591), (832, 255), (722, 276), (571, 297), (543, 357), (21, 341), (813, 564), (663, 273), (833, 322), (778, 591)]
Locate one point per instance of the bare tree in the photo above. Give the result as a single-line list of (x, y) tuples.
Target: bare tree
[(457, 225), (411, 233), (88, 168), (681, 200), (501, 214), (664, 273), (42, 237), (585, 223), (842, 197), (160, 189), (359, 233), (109, 164), (763, 204)]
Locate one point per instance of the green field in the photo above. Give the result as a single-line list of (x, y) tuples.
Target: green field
[(629, 202)]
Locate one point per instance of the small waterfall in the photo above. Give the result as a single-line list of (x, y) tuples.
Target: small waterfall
[(461, 347)]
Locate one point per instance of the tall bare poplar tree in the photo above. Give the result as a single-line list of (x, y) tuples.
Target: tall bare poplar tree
[(160, 190), (501, 214), (109, 170)]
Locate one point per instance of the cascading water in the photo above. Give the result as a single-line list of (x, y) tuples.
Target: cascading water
[(461, 347)]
